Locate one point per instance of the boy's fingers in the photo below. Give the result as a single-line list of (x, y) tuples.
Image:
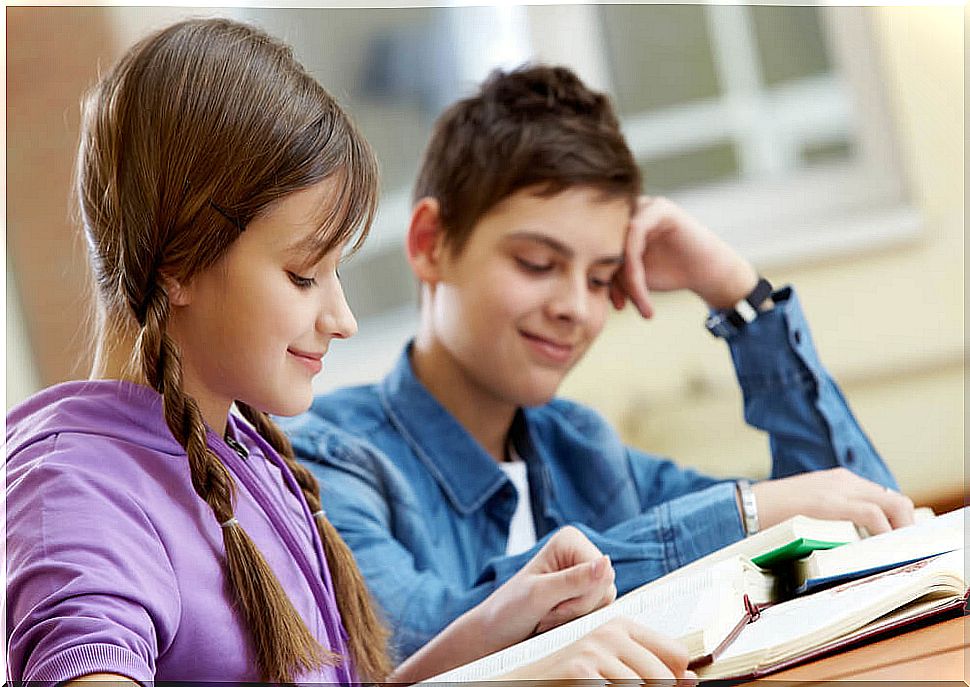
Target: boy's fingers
[(898, 509), (634, 276), (870, 516), (617, 294), (875, 507)]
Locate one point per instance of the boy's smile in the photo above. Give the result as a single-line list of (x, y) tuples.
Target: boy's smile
[(557, 353)]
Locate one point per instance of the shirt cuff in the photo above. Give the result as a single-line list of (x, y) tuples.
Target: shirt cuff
[(694, 525), (87, 659), (776, 350)]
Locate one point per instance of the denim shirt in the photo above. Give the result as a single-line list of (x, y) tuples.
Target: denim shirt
[(426, 510)]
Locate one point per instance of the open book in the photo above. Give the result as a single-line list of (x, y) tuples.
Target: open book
[(810, 625), (715, 604)]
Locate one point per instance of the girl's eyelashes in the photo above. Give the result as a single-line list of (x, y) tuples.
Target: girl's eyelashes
[(301, 282)]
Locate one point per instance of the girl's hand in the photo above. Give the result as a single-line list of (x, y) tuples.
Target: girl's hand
[(569, 577), (621, 649), (667, 249)]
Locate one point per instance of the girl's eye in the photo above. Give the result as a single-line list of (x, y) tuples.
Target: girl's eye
[(301, 282), (536, 267)]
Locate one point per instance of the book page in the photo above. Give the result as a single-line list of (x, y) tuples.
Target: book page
[(680, 608), (955, 518)]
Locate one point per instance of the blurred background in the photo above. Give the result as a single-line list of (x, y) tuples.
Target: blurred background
[(825, 143)]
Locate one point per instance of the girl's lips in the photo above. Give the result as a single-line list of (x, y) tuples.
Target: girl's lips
[(312, 361), (547, 349)]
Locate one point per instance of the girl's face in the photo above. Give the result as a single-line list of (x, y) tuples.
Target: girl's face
[(529, 292), (255, 325)]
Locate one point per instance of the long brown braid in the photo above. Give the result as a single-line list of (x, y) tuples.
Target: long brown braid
[(204, 121), (250, 576), (372, 658)]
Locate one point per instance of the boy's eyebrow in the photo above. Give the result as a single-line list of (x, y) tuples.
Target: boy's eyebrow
[(561, 247)]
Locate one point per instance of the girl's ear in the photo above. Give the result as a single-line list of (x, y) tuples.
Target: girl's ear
[(425, 242), (177, 293)]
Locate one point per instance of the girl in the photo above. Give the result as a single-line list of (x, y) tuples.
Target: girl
[(152, 535)]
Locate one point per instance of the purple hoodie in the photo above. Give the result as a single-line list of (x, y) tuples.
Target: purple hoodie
[(114, 564)]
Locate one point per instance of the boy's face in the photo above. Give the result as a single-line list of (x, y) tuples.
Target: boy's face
[(529, 291)]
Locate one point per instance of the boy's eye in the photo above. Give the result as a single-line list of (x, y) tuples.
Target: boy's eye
[(599, 282), (531, 266), (301, 282)]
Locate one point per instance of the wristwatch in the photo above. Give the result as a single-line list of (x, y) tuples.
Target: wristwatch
[(726, 323), (749, 507)]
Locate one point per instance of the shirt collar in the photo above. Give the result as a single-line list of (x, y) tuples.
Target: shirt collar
[(468, 475)]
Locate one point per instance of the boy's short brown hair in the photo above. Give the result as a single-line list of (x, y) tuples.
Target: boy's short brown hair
[(534, 126)]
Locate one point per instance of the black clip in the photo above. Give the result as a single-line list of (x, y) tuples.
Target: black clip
[(237, 447)]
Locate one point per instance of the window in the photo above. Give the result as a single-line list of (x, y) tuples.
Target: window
[(765, 121)]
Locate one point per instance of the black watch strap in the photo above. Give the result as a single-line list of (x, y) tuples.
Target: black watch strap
[(725, 323)]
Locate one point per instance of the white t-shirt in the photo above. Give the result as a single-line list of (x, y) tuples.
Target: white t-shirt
[(522, 530)]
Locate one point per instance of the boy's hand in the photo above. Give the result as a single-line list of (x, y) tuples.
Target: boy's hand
[(667, 249), (835, 494)]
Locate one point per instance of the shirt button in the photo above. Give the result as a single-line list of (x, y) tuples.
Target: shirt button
[(797, 335), (849, 456)]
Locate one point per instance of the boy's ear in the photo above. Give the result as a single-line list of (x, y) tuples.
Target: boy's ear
[(425, 243)]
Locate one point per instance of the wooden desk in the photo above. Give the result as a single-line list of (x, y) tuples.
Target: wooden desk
[(939, 652)]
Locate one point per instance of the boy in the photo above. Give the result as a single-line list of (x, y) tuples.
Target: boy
[(527, 224)]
